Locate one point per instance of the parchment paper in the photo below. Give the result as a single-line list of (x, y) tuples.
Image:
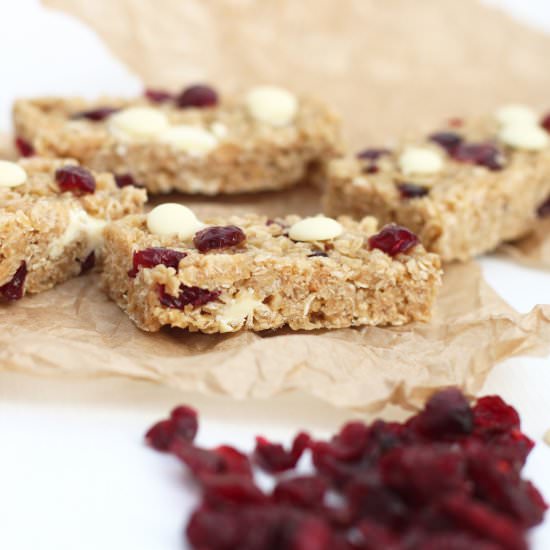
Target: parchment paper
[(383, 65)]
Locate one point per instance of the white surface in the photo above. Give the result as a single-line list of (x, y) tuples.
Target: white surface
[(74, 474)]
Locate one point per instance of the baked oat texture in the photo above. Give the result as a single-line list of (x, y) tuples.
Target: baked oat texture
[(468, 210), (54, 232), (250, 155), (269, 280)]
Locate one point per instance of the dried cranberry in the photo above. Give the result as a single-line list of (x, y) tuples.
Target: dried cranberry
[(543, 210), (198, 95), (234, 461), (301, 491), (483, 154), (76, 179), (158, 96), (15, 287), (218, 237), (124, 180), (448, 140), (231, 489), (182, 425), (446, 414), (24, 147), (201, 462), (412, 190), (192, 295), (545, 122), (317, 254), (393, 240), (273, 457), (371, 169), (96, 115), (493, 415), (151, 257), (88, 263), (372, 154), (456, 122)]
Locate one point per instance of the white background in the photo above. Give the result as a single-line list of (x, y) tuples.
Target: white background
[(74, 473)]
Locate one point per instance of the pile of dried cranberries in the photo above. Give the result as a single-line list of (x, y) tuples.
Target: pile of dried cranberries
[(448, 478)]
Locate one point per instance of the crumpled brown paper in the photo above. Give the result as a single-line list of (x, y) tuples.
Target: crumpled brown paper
[(377, 63)]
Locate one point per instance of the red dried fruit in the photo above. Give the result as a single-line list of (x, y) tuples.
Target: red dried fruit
[(373, 153), (95, 115), (449, 478), (301, 491), (151, 257), (124, 180), (88, 263), (218, 237), (158, 96), (182, 425), (371, 169), (448, 140), (188, 295), (24, 147), (198, 95), (545, 122), (455, 122), (15, 287), (482, 154), (492, 415), (393, 240), (544, 209), (75, 179), (412, 190), (447, 414), (273, 457)]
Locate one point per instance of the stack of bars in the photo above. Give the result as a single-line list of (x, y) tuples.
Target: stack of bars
[(451, 195)]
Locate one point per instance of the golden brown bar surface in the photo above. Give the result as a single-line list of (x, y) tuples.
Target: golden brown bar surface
[(249, 155), (467, 208), (53, 233), (269, 280)]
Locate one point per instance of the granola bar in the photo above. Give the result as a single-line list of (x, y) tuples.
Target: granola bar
[(463, 189), (169, 269), (266, 139), (52, 215)]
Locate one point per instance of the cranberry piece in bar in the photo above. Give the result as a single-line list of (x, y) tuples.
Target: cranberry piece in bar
[(372, 154), (483, 154), (76, 179), (393, 240), (412, 190), (192, 295), (95, 115), (218, 237), (14, 289), (150, 257), (88, 263), (24, 147), (448, 140), (544, 209), (158, 96), (371, 169), (545, 122), (125, 180), (198, 95)]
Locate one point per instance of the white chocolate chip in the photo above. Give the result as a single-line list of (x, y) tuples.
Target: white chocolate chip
[(318, 228), (235, 313), (191, 139), (511, 114), (11, 174), (80, 223), (271, 104), (135, 123), (219, 130), (529, 137), (172, 218), (420, 160)]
